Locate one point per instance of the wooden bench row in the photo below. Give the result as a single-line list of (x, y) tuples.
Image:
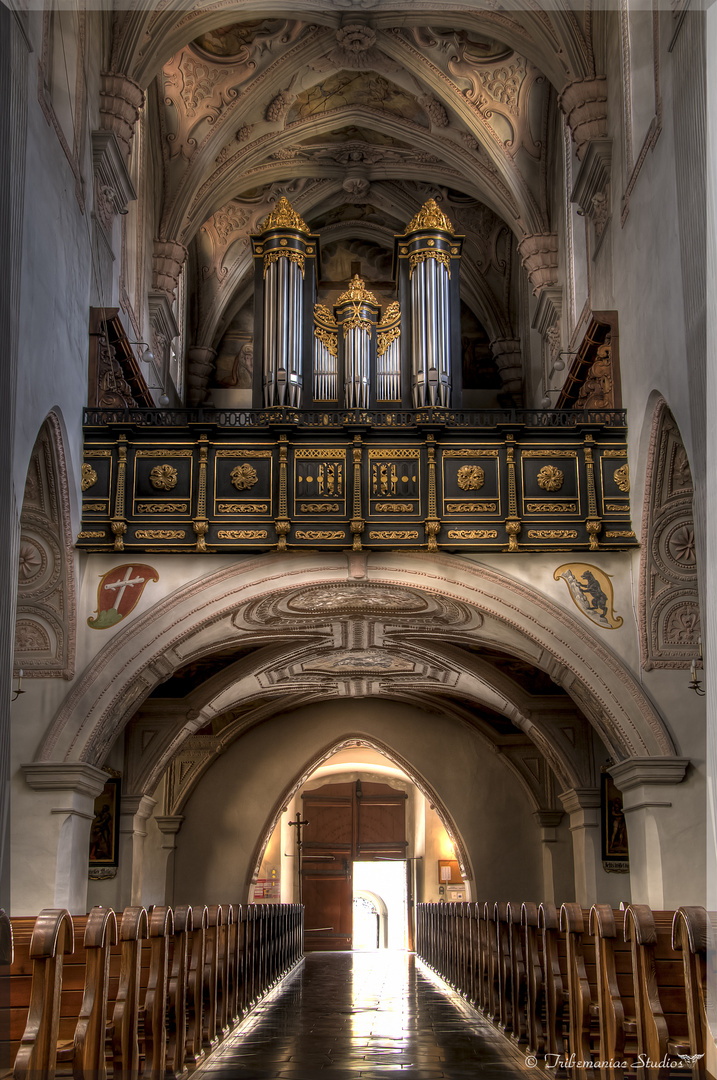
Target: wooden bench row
[(144, 993), (592, 992)]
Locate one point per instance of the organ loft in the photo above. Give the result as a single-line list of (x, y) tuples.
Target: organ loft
[(356, 662)]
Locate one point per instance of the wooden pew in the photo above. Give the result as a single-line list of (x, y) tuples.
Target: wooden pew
[(555, 971), (505, 988), (492, 996), (212, 1024), (52, 938), (689, 937), (124, 1032), (195, 986), (660, 1000), (87, 1058), (6, 959), (615, 992), (177, 992), (153, 1046), (482, 956), (517, 974), (534, 979), (584, 1031)]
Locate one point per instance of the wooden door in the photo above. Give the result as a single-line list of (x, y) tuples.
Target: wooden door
[(347, 822), (326, 867)]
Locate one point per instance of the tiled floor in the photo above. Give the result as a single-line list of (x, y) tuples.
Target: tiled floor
[(343, 1016)]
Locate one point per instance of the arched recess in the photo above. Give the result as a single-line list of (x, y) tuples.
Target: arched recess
[(344, 743), (669, 601), (206, 616), (45, 623)]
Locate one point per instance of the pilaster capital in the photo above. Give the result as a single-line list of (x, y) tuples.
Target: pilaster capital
[(75, 776), (641, 771), (121, 100), (539, 256), (584, 104), (167, 261), (169, 825), (577, 799), (137, 806), (200, 364)]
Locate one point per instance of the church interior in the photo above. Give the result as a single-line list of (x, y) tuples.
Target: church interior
[(356, 483)]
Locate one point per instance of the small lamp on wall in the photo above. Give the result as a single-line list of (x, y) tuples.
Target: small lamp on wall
[(19, 690), (695, 683)]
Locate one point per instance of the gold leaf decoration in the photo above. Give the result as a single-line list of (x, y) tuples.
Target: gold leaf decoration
[(470, 477), (163, 477), (550, 478), (357, 291), (244, 477), (283, 216), (89, 476), (621, 477), (430, 216)]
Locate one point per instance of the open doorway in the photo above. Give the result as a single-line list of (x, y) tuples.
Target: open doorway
[(380, 914)]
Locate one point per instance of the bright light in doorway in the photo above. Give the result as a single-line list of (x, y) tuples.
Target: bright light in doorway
[(380, 913)]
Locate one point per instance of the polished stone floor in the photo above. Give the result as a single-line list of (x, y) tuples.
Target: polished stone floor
[(364, 1015)]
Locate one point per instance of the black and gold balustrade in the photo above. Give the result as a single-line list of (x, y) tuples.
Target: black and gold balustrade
[(281, 478)]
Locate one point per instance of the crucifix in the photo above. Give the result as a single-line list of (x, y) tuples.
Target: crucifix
[(299, 825), (122, 585)]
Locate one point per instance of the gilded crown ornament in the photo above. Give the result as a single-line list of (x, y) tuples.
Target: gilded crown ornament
[(357, 292), (283, 216), (430, 216)]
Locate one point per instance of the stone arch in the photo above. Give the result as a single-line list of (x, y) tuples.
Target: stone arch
[(346, 741), (668, 599), (45, 623), (201, 617)]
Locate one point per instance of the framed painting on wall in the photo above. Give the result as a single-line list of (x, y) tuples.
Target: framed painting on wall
[(104, 831), (615, 855)]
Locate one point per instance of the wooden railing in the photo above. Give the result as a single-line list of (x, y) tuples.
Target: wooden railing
[(144, 993), (585, 993)]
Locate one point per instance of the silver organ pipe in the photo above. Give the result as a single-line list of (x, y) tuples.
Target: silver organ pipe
[(326, 354), (388, 355), (432, 249), (357, 311), (284, 244)]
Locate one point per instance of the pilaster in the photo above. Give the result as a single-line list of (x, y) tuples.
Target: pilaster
[(68, 792)]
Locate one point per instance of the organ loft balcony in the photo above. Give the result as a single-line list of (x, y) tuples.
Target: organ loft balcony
[(355, 427)]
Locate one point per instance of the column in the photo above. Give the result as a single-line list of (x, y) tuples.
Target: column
[(558, 876), (134, 811), (58, 831), (592, 884), (660, 836), (169, 825)]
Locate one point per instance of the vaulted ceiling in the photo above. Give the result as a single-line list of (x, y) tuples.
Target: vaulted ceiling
[(358, 118)]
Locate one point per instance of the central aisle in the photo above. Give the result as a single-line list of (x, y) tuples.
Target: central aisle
[(373, 1014)]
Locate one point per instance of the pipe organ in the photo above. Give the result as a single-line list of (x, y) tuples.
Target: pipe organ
[(358, 355), (285, 250), (432, 251)]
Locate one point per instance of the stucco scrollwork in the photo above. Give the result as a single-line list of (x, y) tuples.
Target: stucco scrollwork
[(669, 602), (45, 623)]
